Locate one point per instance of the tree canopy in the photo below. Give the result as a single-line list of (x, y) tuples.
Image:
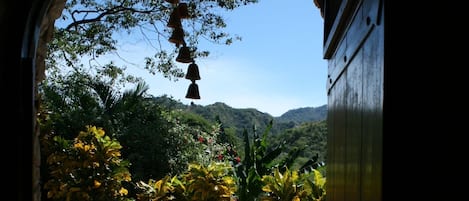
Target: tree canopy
[(89, 29)]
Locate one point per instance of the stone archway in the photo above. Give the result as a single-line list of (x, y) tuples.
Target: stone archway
[(46, 30)]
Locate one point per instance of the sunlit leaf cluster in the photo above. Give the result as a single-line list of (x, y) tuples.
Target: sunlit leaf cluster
[(293, 186), (89, 167), (212, 182)]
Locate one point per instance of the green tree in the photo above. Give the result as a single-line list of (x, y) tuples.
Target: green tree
[(131, 117), (155, 140), (89, 28), (77, 99)]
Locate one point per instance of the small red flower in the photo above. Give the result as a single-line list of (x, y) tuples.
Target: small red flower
[(220, 157), (201, 139), (238, 159)]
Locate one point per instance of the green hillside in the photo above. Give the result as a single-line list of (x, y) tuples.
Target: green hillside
[(305, 114), (299, 128), (237, 120), (310, 136)]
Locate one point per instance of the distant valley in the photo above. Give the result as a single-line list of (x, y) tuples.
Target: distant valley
[(304, 126)]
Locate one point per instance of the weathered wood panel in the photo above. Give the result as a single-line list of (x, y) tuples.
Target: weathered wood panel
[(336, 143), (353, 123), (373, 94), (355, 53)]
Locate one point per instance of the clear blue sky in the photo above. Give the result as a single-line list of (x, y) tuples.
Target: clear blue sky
[(276, 67)]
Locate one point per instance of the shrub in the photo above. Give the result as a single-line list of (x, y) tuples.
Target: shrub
[(213, 182), (87, 168), (294, 186)]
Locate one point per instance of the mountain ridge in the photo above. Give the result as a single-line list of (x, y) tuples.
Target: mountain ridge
[(247, 118), (303, 127), (305, 114)]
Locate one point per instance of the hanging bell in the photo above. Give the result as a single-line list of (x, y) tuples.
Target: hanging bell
[(177, 37), (183, 11), (172, 1), (174, 19), (184, 55), (193, 91), (193, 72)]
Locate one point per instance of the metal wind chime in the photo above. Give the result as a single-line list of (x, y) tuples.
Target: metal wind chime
[(179, 12)]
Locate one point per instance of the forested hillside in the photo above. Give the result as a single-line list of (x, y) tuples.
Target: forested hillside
[(311, 137), (305, 114), (239, 119), (301, 128)]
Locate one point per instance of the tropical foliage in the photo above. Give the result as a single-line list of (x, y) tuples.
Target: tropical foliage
[(316, 184), (294, 186), (212, 182), (167, 188), (88, 168), (183, 153), (155, 140), (160, 142), (259, 160), (191, 144)]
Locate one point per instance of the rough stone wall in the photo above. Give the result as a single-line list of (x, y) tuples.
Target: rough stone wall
[(45, 36)]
